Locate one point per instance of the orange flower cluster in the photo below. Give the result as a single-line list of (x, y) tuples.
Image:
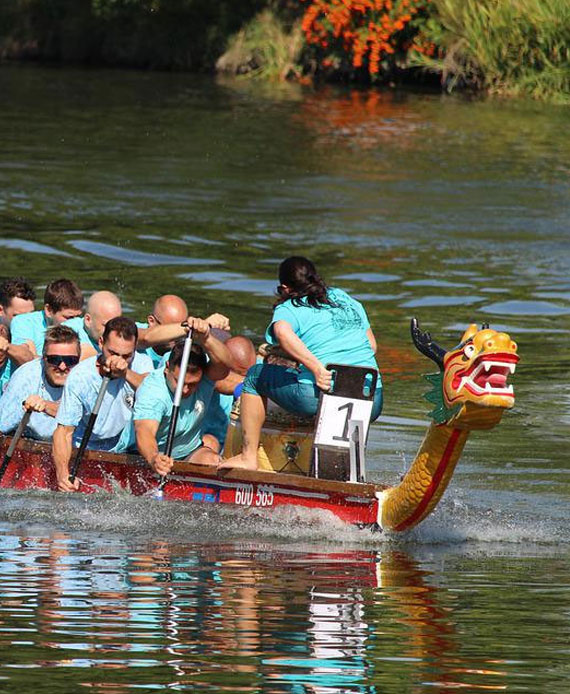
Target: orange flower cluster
[(365, 32)]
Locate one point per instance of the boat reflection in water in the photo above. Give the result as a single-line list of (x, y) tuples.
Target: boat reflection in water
[(227, 617)]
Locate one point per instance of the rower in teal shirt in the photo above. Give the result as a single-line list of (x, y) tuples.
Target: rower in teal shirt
[(209, 362), (62, 300), (317, 325), (5, 362), (127, 370), (39, 384), (155, 401)]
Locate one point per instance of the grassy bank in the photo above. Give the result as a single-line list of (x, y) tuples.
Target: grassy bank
[(507, 47)]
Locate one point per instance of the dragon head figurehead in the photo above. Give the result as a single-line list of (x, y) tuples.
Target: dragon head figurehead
[(471, 390)]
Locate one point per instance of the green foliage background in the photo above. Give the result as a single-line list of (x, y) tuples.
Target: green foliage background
[(508, 47)]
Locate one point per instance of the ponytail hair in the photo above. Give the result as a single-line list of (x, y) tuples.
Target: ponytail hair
[(305, 285)]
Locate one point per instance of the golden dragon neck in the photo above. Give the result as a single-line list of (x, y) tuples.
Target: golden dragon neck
[(423, 485)]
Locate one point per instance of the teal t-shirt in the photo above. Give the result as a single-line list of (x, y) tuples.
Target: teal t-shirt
[(28, 380), (30, 326), (5, 373), (78, 324), (155, 401), (112, 430), (334, 334), (218, 417)]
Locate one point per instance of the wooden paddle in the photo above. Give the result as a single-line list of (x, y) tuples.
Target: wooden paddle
[(12, 447), (89, 429), (176, 406)]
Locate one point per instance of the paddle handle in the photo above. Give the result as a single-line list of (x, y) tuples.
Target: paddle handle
[(12, 447), (177, 400), (89, 429)]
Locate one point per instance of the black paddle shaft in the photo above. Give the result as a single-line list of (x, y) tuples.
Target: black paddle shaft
[(12, 447), (177, 400)]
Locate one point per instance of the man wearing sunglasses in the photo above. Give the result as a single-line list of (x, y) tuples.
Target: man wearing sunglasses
[(37, 386), (113, 429)]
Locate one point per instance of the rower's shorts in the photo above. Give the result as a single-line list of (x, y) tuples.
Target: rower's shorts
[(282, 385)]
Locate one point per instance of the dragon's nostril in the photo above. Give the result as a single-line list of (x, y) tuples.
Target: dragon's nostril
[(489, 344), (514, 346)]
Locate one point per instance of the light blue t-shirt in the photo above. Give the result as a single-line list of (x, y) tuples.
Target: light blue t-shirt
[(158, 360), (218, 416), (334, 334), (28, 380), (29, 327), (78, 324), (112, 430), (155, 401), (5, 373)]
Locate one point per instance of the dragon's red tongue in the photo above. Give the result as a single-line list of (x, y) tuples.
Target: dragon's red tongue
[(496, 379)]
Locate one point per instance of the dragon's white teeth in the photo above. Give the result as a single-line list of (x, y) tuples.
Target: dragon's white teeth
[(488, 387), (512, 368), (510, 389), (487, 365)]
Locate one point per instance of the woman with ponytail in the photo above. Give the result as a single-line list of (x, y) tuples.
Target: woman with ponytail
[(316, 325)]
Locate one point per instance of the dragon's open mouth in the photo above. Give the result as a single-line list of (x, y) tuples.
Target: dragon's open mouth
[(488, 375)]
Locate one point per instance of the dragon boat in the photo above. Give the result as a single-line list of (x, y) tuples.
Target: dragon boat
[(469, 392)]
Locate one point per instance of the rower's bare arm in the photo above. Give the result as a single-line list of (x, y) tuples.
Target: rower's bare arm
[(161, 334), (19, 354), (145, 432), (134, 379), (372, 340), (227, 385), (35, 403), (219, 321), (220, 358), (293, 345), (61, 453)]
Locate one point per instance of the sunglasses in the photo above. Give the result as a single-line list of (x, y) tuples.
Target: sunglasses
[(56, 359)]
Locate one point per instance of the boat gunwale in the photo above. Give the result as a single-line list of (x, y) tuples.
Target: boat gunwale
[(275, 479)]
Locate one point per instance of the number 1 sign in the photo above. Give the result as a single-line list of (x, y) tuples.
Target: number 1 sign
[(335, 414)]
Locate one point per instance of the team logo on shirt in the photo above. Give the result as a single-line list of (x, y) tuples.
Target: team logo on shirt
[(346, 319), (129, 400)]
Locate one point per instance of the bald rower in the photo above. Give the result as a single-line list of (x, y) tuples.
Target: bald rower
[(102, 307), (168, 309)]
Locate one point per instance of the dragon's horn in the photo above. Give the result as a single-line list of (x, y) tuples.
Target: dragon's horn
[(424, 343)]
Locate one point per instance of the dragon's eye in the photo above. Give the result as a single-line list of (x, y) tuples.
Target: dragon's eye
[(469, 350)]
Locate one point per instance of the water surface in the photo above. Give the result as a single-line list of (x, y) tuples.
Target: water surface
[(449, 210)]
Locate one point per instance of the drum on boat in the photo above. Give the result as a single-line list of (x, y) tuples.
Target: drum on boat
[(286, 440)]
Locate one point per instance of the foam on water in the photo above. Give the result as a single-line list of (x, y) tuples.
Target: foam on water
[(454, 523)]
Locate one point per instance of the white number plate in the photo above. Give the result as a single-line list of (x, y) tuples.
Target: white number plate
[(246, 496), (336, 412)]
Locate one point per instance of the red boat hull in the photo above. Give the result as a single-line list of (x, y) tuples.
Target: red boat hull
[(31, 467)]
